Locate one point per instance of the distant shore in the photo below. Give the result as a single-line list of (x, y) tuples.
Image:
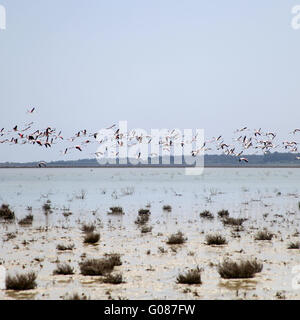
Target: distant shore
[(158, 167), (272, 160)]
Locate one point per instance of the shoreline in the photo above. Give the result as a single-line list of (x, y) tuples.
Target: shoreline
[(156, 167)]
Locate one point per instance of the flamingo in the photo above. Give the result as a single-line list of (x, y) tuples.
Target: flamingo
[(31, 111)]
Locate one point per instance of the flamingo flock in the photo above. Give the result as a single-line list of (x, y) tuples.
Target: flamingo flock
[(245, 140)]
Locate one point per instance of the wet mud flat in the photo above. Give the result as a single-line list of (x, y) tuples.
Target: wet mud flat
[(264, 228)]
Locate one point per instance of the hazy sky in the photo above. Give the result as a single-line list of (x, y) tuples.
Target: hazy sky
[(216, 65)]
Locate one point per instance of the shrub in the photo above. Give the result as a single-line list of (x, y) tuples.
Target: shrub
[(27, 220), (67, 214), (76, 296), (142, 219), (21, 282), (116, 211), (63, 269), (215, 239), (114, 259), (233, 221), (223, 214), (206, 215), (144, 212), (167, 208), (176, 238), (96, 267), (92, 238), (113, 279), (10, 236), (62, 247), (294, 245), (192, 276), (87, 228), (243, 269), (146, 229), (47, 207), (6, 213), (264, 235)]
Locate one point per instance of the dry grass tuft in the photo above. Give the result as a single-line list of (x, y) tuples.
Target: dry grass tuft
[(116, 211), (47, 207), (167, 208), (192, 276), (142, 219), (264, 235), (27, 220), (144, 212), (21, 282), (87, 228), (96, 267), (6, 213), (114, 259), (215, 239), (146, 229), (294, 245), (223, 214), (63, 269), (62, 247), (76, 296), (113, 278), (233, 221), (243, 269), (177, 238), (207, 215), (91, 238)]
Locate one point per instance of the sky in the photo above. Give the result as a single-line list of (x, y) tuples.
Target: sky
[(213, 65)]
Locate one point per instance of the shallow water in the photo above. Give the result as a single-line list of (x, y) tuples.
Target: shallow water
[(267, 197)]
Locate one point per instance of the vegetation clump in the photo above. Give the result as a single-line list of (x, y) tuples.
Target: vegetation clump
[(223, 214), (100, 267), (76, 296), (21, 282), (27, 220), (114, 259), (142, 219), (96, 267), (116, 211), (62, 247), (233, 221), (113, 278), (215, 239), (264, 235), (91, 238), (63, 269), (87, 228), (207, 215), (6, 213), (144, 212), (167, 208), (176, 238), (294, 245), (243, 269), (47, 207), (192, 276), (146, 229)]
